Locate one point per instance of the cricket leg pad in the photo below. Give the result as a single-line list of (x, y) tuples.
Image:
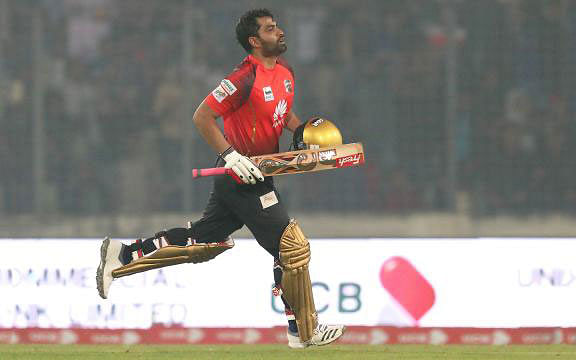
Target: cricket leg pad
[(174, 255), (296, 284)]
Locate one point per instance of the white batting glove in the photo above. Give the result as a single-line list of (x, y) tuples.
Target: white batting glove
[(243, 167)]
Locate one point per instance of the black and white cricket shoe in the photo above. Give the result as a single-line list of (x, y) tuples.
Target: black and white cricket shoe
[(325, 334), (110, 254)]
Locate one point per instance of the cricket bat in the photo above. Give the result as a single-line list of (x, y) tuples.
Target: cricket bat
[(297, 162)]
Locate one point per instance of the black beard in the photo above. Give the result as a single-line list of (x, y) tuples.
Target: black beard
[(276, 50)]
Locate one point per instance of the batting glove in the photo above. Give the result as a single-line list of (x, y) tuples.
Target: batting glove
[(243, 167)]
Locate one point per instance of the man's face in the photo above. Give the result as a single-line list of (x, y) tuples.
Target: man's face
[(271, 37)]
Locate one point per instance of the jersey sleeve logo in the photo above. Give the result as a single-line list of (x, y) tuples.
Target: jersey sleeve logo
[(228, 86), (219, 94), (288, 86), (268, 94)]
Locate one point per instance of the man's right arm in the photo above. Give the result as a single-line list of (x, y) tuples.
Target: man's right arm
[(205, 120)]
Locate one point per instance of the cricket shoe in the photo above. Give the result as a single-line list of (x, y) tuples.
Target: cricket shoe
[(294, 341), (325, 334), (110, 255)]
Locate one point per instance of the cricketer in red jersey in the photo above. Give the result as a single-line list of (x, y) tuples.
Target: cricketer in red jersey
[(255, 103)]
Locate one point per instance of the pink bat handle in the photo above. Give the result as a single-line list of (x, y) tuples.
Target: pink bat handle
[(196, 173)]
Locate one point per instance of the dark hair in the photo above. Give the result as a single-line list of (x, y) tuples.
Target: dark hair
[(248, 26)]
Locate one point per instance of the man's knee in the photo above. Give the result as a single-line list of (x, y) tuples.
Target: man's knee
[(294, 248), (203, 231)]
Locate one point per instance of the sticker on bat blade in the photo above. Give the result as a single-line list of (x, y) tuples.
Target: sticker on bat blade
[(326, 154), (327, 157), (269, 166), (306, 162), (350, 160)]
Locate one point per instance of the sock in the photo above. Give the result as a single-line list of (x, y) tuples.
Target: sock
[(292, 326), (126, 255)]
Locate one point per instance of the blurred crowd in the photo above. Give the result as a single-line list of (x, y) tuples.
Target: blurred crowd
[(116, 83)]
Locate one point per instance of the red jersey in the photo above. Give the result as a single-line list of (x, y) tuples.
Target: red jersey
[(254, 103)]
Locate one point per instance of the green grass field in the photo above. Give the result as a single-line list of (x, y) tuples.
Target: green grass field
[(254, 352)]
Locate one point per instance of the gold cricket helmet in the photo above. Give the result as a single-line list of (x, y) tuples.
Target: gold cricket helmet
[(317, 132)]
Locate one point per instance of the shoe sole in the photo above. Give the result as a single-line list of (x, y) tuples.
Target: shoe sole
[(100, 271)]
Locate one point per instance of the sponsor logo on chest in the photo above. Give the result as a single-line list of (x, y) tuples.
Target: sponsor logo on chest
[(268, 94)]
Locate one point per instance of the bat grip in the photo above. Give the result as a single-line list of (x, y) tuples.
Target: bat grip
[(211, 172), (196, 173)]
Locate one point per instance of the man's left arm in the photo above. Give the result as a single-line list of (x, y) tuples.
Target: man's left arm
[(292, 121)]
